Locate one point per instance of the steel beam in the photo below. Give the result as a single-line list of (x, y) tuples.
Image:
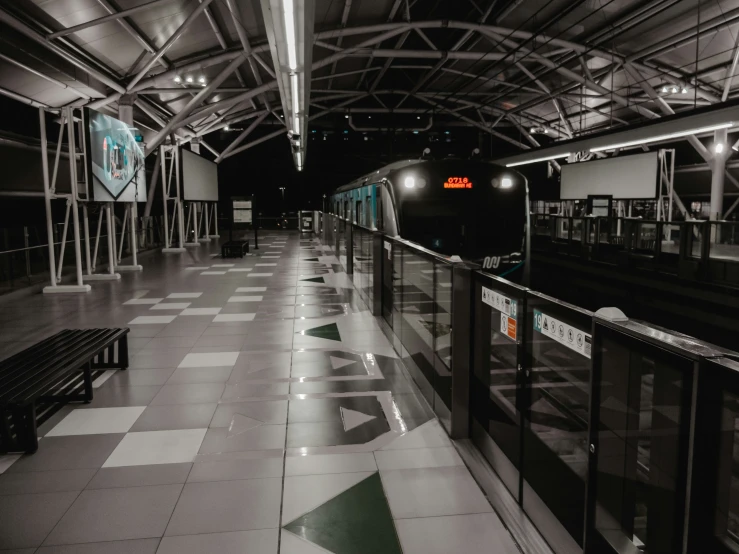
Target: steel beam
[(105, 19), (167, 45), (238, 140)]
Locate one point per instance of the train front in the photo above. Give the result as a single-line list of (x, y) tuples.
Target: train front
[(471, 209)]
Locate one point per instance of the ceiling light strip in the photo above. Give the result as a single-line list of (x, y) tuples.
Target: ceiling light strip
[(546, 159), (659, 138), (290, 38)]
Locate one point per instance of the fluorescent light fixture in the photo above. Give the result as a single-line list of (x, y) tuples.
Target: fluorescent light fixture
[(296, 127), (719, 147), (658, 138), (506, 183), (410, 182), (292, 55), (548, 158), (299, 160), (294, 92)]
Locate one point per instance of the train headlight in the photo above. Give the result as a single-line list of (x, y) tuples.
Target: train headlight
[(506, 183), (410, 182)]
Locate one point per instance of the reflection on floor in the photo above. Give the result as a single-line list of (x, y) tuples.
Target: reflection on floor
[(264, 411)]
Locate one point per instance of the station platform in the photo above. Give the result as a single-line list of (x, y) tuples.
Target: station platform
[(264, 411)]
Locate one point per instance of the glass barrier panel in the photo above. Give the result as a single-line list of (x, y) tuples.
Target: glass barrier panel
[(357, 260), (417, 328), (577, 229), (642, 424), (562, 229), (495, 395), (671, 238), (646, 235), (696, 239), (556, 440), (725, 241), (542, 225), (443, 306)]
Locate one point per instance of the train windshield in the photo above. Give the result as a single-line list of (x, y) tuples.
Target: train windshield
[(437, 223)]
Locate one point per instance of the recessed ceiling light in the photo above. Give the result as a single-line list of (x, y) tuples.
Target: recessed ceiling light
[(188, 79), (201, 79), (674, 90), (226, 128), (177, 79), (664, 89)]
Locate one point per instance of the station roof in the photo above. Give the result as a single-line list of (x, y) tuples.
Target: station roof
[(527, 72)]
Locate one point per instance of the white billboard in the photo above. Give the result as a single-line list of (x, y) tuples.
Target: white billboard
[(199, 178), (623, 177)]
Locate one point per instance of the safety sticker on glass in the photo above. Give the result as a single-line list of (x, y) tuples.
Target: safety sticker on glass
[(563, 333)]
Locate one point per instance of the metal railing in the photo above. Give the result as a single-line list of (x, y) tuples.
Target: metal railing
[(24, 251), (614, 436)]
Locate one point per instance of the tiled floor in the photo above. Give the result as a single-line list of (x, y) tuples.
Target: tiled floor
[(264, 412)]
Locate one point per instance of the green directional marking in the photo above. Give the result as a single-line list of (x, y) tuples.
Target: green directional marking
[(330, 332), (314, 280), (358, 521), (310, 260)]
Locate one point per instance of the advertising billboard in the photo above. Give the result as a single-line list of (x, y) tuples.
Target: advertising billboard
[(115, 160)]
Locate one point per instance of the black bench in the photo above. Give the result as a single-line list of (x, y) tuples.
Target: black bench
[(35, 373), (234, 249)]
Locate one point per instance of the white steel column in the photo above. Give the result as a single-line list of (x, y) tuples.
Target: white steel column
[(47, 198), (214, 218), (718, 167), (166, 179), (192, 216), (180, 221), (125, 114), (80, 286)]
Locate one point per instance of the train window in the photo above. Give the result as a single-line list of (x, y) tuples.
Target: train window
[(388, 213), (358, 212), (368, 213)]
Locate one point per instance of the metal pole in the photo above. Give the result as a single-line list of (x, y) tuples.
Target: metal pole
[(75, 210), (86, 224), (64, 243), (180, 220), (111, 237), (153, 185), (104, 19), (97, 239), (47, 196), (28, 259), (162, 155), (206, 236), (58, 154), (123, 235), (133, 240)]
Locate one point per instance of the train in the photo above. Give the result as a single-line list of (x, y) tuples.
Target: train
[(469, 208)]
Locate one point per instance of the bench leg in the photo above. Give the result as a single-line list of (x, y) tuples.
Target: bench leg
[(87, 380), (24, 419), (123, 352)]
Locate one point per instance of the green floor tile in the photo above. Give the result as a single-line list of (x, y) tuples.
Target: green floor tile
[(314, 280), (358, 521), (330, 332)]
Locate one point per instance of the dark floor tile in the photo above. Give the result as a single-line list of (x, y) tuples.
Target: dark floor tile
[(73, 452), (134, 546), (116, 514), (35, 482), (117, 397), (26, 519), (139, 476), (175, 416)]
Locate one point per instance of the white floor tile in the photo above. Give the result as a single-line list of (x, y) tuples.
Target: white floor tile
[(428, 435), (185, 295), (418, 458), (266, 264), (251, 289), (213, 273), (463, 533), (329, 463), (261, 541), (223, 265), (100, 381), (170, 306), (260, 275), (239, 269), (210, 359), (142, 301), (157, 447), (198, 267), (429, 492), (149, 319), (222, 318), (245, 299), (270, 257), (201, 311), (97, 421)]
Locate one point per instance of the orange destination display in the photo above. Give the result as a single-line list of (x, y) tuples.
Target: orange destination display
[(457, 183)]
